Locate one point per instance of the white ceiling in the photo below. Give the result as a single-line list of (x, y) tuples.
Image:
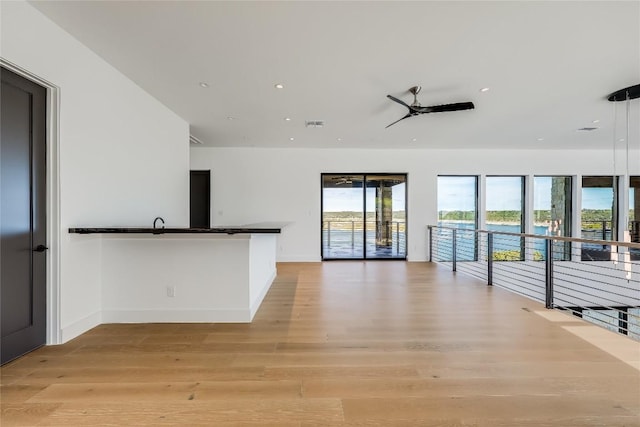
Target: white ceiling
[(549, 67)]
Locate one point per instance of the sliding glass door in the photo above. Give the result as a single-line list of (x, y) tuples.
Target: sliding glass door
[(364, 216)]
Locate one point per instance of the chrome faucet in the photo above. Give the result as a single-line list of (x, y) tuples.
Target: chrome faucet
[(156, 220)]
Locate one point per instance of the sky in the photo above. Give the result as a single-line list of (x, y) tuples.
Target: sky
[(503, 193), (458, 193), (350, 199)]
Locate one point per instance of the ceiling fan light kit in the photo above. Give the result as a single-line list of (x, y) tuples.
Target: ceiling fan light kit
[(416, 109)]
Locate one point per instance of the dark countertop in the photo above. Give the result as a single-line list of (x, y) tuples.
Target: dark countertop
[(260, 227)]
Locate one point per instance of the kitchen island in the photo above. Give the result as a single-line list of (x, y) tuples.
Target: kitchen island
[(218, 274)]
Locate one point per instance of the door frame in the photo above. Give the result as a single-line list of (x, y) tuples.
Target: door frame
[(54, 331), (364, 207)]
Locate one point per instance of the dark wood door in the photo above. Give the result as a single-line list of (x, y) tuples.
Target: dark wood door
[(22, 216), (200, 199)]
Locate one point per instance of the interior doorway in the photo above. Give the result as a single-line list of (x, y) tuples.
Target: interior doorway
[(23, 220), (200, 199), (364, 216)]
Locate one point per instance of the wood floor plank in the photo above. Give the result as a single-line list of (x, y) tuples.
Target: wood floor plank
[(453, 421), (514, 407), (470, 387), (195, 413), (341, 372), (99, 375), (531, 368), (124, 359), (339, 344), (167, 392), (26, 414), (16, 393)]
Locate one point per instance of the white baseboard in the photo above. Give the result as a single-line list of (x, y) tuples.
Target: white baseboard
[(177, 316), (298, 258), (81, 326)]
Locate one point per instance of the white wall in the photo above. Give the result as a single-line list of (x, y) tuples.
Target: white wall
[(123, 155), (250, 185)]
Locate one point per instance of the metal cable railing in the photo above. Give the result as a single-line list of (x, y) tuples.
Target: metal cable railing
[(603, 288), (349, 233)]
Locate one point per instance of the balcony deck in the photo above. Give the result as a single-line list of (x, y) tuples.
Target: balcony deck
[(341, 344)]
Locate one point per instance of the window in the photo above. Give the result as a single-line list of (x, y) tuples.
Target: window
[(505, 212), (458, 201), (599, 213), (634, 214), (634, 208), (458, 208), (552, 212)]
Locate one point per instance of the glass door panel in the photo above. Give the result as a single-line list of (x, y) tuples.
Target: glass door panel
[(364, 216), (342, 216), (386, 216)]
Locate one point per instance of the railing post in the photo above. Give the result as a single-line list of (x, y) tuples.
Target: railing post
[(454, 247), (353, 236), (328, 234), (489, 259), (397, 237), (430, 243), (548, 280)]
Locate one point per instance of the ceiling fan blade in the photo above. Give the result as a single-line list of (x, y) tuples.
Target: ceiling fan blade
[(399, 101), (459, 106), (408, 115)]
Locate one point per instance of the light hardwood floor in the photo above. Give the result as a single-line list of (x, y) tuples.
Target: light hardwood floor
[(336, 343)]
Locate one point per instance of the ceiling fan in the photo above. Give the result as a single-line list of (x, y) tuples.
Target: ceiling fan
[(416, 109), (341, 180)]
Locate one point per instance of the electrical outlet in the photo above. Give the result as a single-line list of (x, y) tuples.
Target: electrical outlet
[(171, 291)]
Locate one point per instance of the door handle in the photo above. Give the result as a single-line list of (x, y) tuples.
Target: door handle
[(40, 248)]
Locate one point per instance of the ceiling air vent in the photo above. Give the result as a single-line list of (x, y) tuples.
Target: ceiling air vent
[(194, 140), (587, 129), (314, 123)]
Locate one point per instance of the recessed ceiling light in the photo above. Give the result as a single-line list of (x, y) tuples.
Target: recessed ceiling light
[(484, 89), (540, 139), (596, 121), (339, 139), (204, 84), (291, 139), (279, 86), (414, 139), (287, 119), (230, 118)]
